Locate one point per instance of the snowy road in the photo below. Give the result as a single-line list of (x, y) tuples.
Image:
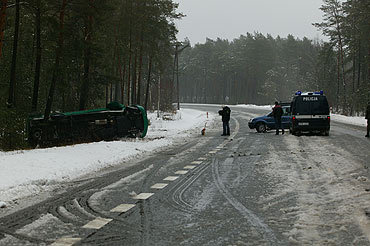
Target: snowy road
[(247, 189)]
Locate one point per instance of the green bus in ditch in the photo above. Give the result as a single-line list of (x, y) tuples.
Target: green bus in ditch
[(113, 122)]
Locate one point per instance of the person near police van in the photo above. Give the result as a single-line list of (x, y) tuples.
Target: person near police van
[(367, 116), (225, 113), (277, 112)]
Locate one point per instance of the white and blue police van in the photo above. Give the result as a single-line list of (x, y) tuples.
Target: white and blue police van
[(310, 113)]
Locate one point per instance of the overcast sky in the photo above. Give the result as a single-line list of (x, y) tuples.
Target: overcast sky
[(228, 19)]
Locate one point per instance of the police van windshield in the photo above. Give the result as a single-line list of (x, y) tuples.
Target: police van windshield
[(312, 105)]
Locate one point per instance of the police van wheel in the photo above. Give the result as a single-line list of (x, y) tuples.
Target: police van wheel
[(326, 133)]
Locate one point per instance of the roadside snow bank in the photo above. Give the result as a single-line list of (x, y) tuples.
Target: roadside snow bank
[(359, 121), (267, 107), (28, 172)]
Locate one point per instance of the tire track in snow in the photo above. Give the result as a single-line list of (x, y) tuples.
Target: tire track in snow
[(248, 214)]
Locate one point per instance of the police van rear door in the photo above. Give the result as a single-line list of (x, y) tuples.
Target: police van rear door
[(311, 110)]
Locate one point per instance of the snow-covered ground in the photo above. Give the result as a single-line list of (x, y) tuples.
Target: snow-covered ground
[(359, 121), (28, 172)]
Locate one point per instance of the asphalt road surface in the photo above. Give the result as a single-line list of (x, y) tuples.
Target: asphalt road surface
[(246, 189)]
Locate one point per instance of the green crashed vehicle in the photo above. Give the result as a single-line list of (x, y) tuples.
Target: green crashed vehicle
[(114, 121)]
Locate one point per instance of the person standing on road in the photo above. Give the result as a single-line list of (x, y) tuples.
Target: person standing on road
[(225, 113), (367, 116), (277, 112)]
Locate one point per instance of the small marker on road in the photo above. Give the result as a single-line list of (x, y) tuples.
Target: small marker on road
[(158, 186), (181, 172), (65, 241), (97, 223), (171, 178), (123, 208), (189, 167), (143, 196)]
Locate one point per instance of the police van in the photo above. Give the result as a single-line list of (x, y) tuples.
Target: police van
[(310, 113)]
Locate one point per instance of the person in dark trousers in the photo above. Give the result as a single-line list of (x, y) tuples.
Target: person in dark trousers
[(225, 113), (277, 112), (367, 116)]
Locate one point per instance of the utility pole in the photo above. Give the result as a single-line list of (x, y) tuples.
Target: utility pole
[(178, 50)]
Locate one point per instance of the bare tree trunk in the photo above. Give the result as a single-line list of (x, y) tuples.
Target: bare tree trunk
[(129, 89), (341, 53), (118, 72), (359, 65), (178, 84), (138, 98), (129, 71), (58, 56), (123, 82), (110, 91), (86, 79), (133, 80), (106, 93), (110, 83), (338, 80), (12, 83), (173, 72), (343, 74), (36, 82), (87, 56), (159, 95), (2, 22), (354, 64), (148, 83), (368, 66)]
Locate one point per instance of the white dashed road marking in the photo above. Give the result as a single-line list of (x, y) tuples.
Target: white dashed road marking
[(202, 158), (213, 152), (97, 223), (189, 167), (181, 172), (197, 162), (123, 208), (66, 241), (143, 196), (158, 186), (171, 178)]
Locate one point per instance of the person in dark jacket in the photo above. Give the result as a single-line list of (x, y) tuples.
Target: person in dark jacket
[(367, 116), (277, 112), (225, 113)]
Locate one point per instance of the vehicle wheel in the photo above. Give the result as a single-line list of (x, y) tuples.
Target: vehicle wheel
[(326, 133), (37, 135), (35, 138), (261, 127)]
